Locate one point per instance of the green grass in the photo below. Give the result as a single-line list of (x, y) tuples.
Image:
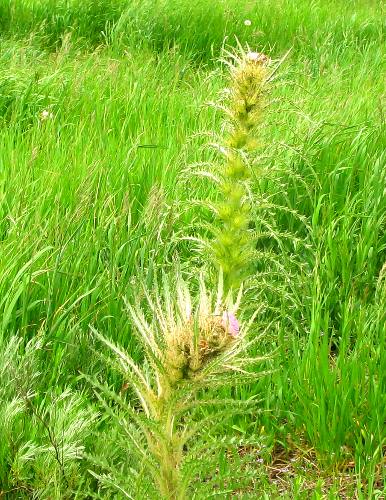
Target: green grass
[(97, 198)]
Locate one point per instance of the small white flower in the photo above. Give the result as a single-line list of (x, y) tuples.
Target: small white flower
[(45, 115), (247, 22)]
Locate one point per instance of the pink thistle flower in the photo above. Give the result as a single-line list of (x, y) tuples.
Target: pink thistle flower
[(230, 323)]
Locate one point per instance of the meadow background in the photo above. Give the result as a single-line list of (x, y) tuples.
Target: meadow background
[(103, 109)]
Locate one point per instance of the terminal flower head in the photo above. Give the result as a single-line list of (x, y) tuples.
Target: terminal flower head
[(257, 57)]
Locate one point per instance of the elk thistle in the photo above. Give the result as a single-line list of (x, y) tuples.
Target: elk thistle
[(185, 344), (193, 339), (190, 344)]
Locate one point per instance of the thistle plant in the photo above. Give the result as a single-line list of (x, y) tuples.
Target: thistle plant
[(190, 347), (193, 345), (232, 247)]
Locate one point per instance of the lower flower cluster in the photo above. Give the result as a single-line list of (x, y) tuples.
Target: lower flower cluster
[(197, 342)]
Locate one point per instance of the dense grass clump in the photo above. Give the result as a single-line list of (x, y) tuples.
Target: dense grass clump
[(104, 124)]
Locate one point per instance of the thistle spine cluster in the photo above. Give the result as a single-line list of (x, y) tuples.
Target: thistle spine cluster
[(233, 245)]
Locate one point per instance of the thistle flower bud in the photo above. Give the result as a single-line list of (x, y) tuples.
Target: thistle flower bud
[(190, 342), (194, 343), (257, 57)]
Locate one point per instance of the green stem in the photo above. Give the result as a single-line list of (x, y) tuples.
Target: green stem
[(170, 456)]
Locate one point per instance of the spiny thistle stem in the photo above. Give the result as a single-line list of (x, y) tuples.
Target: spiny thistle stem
[(233, 246)]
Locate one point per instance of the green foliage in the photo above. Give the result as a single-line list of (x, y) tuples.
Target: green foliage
[(162, 24), (43, 434)]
